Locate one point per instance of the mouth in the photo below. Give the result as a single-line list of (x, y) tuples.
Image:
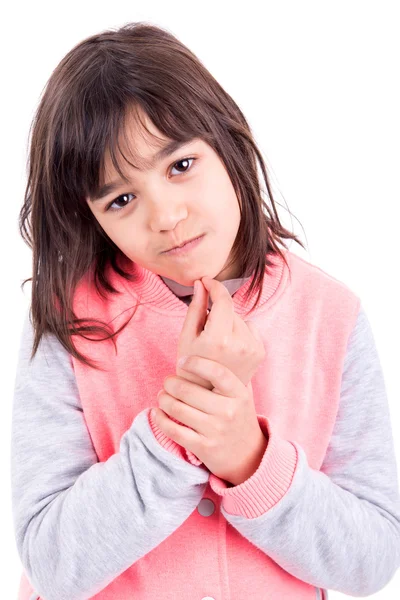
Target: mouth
[(186, 246)]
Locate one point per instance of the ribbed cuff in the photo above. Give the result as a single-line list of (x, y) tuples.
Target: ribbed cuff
[(267, 485), (170, 445)]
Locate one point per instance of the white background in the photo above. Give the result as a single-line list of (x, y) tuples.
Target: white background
[(319, 84)]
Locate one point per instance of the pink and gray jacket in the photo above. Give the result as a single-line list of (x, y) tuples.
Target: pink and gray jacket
[(106, 506)]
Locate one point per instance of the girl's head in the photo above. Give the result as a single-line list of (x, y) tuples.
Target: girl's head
[(167, 199), (97, 191)]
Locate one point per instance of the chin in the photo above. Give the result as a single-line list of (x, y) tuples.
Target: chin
[(190, 281)]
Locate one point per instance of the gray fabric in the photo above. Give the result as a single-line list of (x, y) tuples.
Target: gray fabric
[(338, 528), (79, 523)]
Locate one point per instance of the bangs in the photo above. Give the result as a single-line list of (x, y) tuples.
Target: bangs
[(116, 145), (140, 72)]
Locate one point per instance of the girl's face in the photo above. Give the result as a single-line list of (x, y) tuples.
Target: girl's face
[(183, 195)]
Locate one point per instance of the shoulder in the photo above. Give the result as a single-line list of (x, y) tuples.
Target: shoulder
[(314, 286), (305, 269)]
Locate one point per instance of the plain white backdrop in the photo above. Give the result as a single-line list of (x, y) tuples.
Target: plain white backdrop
[(319, 84)]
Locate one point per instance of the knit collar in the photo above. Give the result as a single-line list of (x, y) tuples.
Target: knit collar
[(159, 292), (185, 292)]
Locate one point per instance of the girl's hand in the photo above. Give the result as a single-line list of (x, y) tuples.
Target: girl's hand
[(222, 428), (222, 336)]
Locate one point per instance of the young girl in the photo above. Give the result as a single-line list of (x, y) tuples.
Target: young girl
[(266, 468)]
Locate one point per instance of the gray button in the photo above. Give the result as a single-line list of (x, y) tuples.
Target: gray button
[(206, 508)]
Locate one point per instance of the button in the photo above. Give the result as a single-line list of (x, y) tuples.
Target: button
[(206, 508), (208, 598)]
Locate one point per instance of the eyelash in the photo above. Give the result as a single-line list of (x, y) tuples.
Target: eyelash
[(109, 209)]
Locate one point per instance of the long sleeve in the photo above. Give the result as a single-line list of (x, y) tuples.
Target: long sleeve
[(79, 523), (337, 528)]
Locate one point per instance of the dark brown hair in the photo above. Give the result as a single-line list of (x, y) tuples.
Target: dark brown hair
[(79, 117)]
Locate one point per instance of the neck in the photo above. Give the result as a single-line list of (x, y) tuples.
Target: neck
[(151, 289)]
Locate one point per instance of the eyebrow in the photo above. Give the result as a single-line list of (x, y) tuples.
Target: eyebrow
[(165, 151)]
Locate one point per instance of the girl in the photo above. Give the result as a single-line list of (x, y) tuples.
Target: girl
[(267, 469)]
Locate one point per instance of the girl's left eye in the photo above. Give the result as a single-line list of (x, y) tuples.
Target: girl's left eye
[(182, 160)]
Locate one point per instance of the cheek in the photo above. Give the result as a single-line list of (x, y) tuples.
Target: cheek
[(218, 198), (105, 224), (121, 234), (225, 198), (229, 210), (118, 229)]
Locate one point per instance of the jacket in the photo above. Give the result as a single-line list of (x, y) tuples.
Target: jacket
[(105, 506)]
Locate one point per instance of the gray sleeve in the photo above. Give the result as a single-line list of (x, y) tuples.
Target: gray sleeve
[(339, 528), (80, 523)]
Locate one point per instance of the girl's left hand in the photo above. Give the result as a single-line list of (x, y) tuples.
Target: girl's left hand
[(222, 431)]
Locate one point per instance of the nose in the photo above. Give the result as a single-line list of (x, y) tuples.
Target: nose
[(165, 208)]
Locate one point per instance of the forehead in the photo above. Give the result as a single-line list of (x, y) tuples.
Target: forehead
[(138, 141)]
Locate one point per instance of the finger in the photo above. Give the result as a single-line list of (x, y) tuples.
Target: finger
[(186, 411), (244, 330), (220, 318), (196, 315), (257, 336), (254, 330), (224, 381), (240, 328), (181, 434), (178, 390)]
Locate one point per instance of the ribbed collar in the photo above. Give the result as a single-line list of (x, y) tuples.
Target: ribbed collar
[(167, 296), (185, 292)]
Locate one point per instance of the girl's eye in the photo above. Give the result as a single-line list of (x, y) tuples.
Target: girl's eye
[(184, 160), (108, 208), (186, 168)]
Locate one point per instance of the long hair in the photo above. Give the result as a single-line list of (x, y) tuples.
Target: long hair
[(81, 113)]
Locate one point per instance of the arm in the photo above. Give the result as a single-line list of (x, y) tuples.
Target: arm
[(337, 528), (68, 508)]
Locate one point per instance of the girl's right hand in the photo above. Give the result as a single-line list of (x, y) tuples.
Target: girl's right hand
[(221, 335)]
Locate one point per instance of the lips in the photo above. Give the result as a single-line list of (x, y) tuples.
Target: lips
[(184, 243)]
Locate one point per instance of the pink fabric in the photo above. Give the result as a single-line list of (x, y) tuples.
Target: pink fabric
[(305, 318)]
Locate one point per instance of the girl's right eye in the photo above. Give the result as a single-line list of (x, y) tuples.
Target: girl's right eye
[(118, 200)]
